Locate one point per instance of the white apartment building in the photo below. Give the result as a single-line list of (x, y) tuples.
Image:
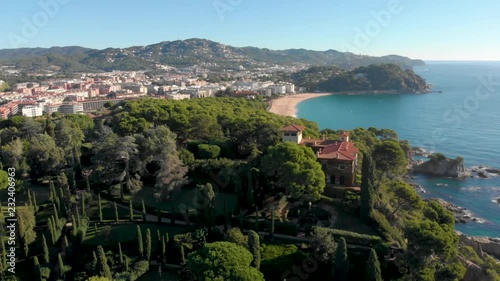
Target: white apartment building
[(32, 111)]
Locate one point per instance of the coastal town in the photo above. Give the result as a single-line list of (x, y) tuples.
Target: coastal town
[(92, 91)]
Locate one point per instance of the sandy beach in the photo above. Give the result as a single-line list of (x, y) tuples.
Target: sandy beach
[(287, 106)]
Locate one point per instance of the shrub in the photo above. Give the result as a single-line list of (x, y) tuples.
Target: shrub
[(355, 238), (208, 151)]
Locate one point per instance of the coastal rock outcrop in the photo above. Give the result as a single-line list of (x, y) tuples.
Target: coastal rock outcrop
[(486, 244), (475, 273), (440, 166)]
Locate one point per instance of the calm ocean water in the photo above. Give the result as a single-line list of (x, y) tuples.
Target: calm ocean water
[(463, 120)]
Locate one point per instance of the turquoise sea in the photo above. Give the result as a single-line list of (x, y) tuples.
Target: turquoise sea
[(462, 120)]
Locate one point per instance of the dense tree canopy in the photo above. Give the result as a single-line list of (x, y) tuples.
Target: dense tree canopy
[(294, 168), (220, 261)]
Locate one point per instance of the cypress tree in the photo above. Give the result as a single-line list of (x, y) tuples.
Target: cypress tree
[(64, 244), (367, 188), (78, 219), (52, 232), (158, 213), (53, 195), (148, 244), (341, 263), (75, 226), (103, 269), (131, 209), (58, 205), (61, 193), (61, 266), (3, 255), (373, 272), (163, 248), (183, 257), (87, 184), (116, 213), (94, 262), (99, 204), (257, 219), (83, 205), (30, 199), (226, 219), (158, 235), (120, 252), (140, 245), (36, 265), (254, 247), (172, 215), (126, 263), (144, 214), (46, 256), (35, 205), (2, 219), (56, 213), (272, 223)]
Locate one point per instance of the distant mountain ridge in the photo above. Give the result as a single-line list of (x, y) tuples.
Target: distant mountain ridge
[(183, 53)]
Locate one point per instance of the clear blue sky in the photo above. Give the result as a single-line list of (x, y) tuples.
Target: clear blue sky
[(432, 30)]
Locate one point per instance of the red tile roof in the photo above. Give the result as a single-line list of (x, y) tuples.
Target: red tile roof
[(293, 128), (331, 149)]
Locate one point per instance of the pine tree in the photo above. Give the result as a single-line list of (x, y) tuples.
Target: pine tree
[(61, 266), (341, 263), (367, 188), (120, 252), (254, 247), (148, 244), (36, 265), (144, 214), (373, 272), (140, 245), (46, 256), (131, 209), (103, 269), (99, 204), (116, 213)]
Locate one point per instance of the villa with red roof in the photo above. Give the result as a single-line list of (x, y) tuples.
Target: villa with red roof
[(338, 158)]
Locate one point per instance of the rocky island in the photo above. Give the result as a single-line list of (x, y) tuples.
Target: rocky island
[(440, 166)]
